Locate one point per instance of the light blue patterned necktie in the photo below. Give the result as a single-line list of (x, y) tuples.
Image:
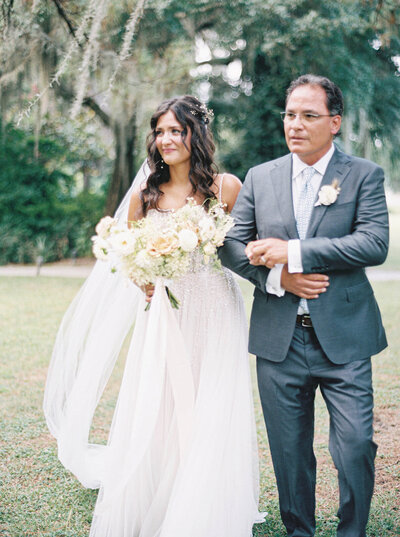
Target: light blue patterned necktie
[(304, 209)]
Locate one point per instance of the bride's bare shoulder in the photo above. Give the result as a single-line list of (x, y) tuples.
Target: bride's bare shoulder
[(228, 187)]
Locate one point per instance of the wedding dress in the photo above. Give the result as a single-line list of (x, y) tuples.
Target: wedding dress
[(181, 458)]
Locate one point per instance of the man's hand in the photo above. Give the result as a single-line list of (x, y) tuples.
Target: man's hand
[(267, 252), (304, 285)]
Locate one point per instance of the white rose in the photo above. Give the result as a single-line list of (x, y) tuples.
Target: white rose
[(187, 240), (123, 242), (209, 249), (100, 248), (206, 229), (103, 228), (327, 195)]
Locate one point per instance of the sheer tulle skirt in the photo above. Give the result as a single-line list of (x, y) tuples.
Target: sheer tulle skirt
[(182, 454)]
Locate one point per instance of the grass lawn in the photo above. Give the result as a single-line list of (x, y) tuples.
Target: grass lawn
[(39, 498)]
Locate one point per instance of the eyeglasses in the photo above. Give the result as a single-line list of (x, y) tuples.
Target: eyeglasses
[(307, 117)]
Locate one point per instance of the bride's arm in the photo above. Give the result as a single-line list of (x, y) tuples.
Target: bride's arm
[(135, 211), (230, 190)]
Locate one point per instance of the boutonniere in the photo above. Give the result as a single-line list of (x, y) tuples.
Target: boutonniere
[(328, 194)]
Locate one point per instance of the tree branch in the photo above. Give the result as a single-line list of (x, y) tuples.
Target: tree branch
[(93, 105), (64, 16), (192, 26), (218, 61), (68, 95)]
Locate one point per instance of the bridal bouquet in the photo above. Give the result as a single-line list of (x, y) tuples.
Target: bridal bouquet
[(153, 248)]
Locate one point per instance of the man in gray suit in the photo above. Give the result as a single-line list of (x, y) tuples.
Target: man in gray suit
[(306, 226)]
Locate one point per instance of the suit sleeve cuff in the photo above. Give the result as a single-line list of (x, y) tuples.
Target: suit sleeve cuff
[(294, 256), (273, 283)]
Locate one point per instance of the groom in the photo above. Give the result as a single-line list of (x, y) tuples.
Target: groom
[(306, 226)]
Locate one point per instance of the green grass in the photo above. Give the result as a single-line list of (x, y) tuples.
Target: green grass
[(39, 498)]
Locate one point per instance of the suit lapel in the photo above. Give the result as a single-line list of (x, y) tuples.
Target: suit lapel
[(281, 177), (338, 168)]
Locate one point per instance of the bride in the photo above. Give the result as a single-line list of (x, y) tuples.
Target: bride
[(181, 459)]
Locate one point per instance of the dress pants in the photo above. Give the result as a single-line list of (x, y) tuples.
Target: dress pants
[(287, 391)]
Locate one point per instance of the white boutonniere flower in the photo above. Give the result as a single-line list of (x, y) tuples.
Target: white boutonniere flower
[(328, 194)]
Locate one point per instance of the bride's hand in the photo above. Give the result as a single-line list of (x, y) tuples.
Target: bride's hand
[(267, 252), (148, 290)]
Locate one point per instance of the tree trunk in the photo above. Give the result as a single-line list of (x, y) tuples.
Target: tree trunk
[(123, 172), (86, 178), (365, 138), (348, 133), (124, 132)]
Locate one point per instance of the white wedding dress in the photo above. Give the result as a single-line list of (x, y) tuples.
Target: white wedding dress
[(206, 484), (181, 459)]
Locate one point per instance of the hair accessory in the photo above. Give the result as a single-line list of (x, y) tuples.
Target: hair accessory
[(203, 113)]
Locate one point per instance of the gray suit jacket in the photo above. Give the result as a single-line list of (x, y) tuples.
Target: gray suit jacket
[(342, 239)]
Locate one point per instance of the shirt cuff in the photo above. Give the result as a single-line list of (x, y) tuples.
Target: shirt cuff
[(294, 256), (273, 284)]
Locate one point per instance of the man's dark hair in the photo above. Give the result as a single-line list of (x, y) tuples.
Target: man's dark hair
[(334, 96)]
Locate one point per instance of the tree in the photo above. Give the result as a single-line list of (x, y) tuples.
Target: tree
[(38, 215), (88, 39), (354, 43), (121, 75)]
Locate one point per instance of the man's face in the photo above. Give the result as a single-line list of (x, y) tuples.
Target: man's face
[(310, 140)]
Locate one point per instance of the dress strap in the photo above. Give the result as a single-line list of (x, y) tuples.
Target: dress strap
[(220, 188)]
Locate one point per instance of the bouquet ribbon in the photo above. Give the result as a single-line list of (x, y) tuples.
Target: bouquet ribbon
[(159, 344)]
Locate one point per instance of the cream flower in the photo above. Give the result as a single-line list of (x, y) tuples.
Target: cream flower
[(219, 237), (100, 248), (103, 228), (209, 249), (162, 244), (122, 242), (187, 240), (143, 260), (219, 212), (206, 229)]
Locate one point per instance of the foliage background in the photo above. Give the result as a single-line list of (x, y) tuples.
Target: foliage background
[(79, 80)]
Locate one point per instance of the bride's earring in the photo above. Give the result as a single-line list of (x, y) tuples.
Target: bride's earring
[(162, 164)]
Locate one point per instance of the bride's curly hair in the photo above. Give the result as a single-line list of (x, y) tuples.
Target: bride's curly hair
[(193, 116)]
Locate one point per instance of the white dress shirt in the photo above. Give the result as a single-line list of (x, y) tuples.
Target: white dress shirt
[(295, 264)]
